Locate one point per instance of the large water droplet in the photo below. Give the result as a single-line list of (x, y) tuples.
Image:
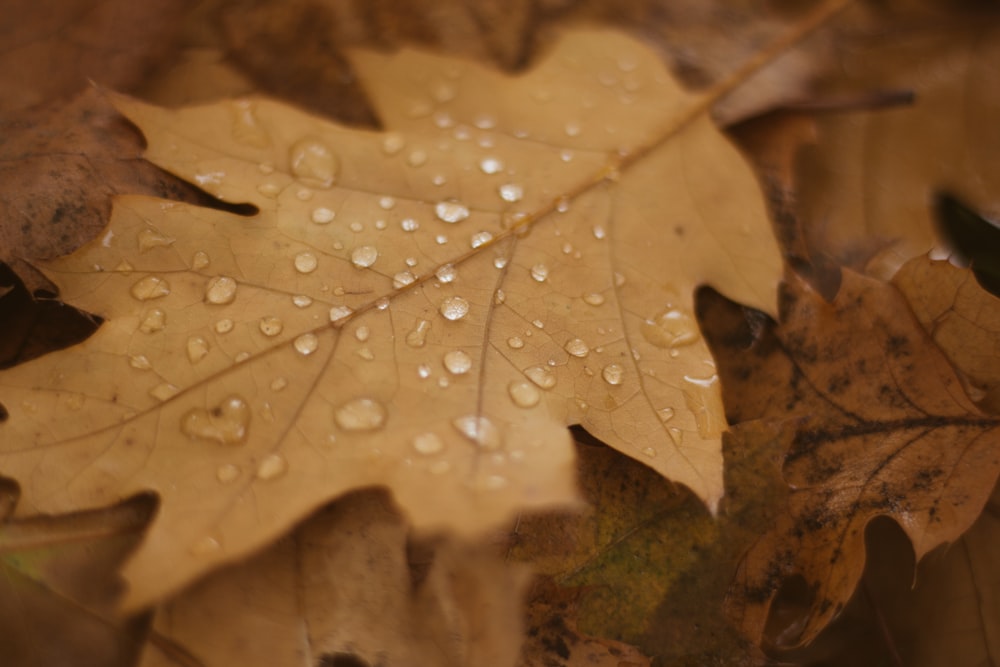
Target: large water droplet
[(150, 238), (360, 414), (271, 467), (305, 262), (220, 290), (417, 336), (457, 362), (197, 349), (313, 163), (451, 211), (364, 256), (480, 430), (270, 326), (428, 444), (543, 376), (613, 374), (454, 308), (154, 321), (672, 328), (225, 423), (150, 287), (577, 347), (306, 344), (524, 394), (224, 326)]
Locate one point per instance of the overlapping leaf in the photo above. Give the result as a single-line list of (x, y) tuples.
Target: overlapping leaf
[(424, 309)]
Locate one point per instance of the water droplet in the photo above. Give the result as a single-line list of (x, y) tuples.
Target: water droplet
[(387, 203), (314, 163), (423, 371), (454, 308), (446, 273), (539, 273), (480, 430), (241, 357), (417, 336), (457, 362), (278, 384), (402, 279), (490, 165), (362, 333), (366, 353), (305, 262), (272, 466), (499, 262), (124, 267), (380, 224), (270, 190), (338, 313), (613, 374), (409, 225), (524, 394), (360, 414), (304, 194), (440, 239), (227, 473), (515, 342), (417, 158), (226, 423), (200, 260), (164, 391), (543, 376), (705, 402), (205, 546), (382, 303), (224, 326), (599, 232), (428, 444), (451, 211), (538, 324), (511, 192), (411, 262), (572, 129), (197, 349), (577, 347), (322, 215), (499, 297), (270, 326), (140, 362), (671, 328), (220, 290), (246, 128), (154, 321), (650, 452), (392, 143), (594, 299), (150, 238), (619, 279), (150, 287), (364, 256), (676, 435), (306, 344), (665, 414), (302, 301)]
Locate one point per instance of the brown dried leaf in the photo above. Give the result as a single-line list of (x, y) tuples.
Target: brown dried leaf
[(877, 424)]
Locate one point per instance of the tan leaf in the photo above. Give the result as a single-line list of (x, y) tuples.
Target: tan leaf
[(340, 587), (877, 424), (516, 255)]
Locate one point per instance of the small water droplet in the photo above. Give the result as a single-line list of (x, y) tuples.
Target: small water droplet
[(417, 158), (362, 333), (139, 362), (511, 192), (671, 328), (499, 297), (428, 444), (423, 371), (304, 194), (594, 299), (676, 435), (305, 262), (650, 452), (524, 394), (417, 336), (562, 205), (164, 391), (360, 414), (480, 239), (619, 279), (154, 321), (227, 473), (241, 357), (446, 273), (271, 467), (613, 374), (409, 225), (515, 342), (539, 272), (538, 324), (150, 238), (382, 303), (270, 326), (479, 430), (499, 262), (572, 129), (387, 203), (200, 260), (440, 239), (454, 308), (451, 211), (306, 344), (543, 376), (302, 301), (197, 349), (269, 190), (599, 232), (665, 414), (225, 424), (490, 165), (366, 353), (322, 215), (278, 384), (220, 290), (313, 163), (577, 347), (150, 287), (224, 326), (457, 362), (364, 256), (402, 279), (338, 313)]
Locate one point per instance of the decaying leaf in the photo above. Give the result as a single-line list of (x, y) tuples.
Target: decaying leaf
[(425, 309), (877, 423), (340, 588)]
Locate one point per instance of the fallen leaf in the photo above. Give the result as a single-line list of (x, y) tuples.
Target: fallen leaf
[(877, 424), (59, 585), (505, 262), (340, 589)]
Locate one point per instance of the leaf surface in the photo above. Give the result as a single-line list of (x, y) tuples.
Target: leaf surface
[(425, 309)]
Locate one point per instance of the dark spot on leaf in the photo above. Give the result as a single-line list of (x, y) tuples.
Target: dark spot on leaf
[(341, 660), (4, 415)]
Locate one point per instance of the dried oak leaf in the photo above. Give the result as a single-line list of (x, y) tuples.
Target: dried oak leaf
[(340, 590), (425, 309), (877, 423)]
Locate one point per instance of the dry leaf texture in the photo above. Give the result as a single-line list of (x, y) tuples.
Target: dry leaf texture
[(425, 309), (880, 426)]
